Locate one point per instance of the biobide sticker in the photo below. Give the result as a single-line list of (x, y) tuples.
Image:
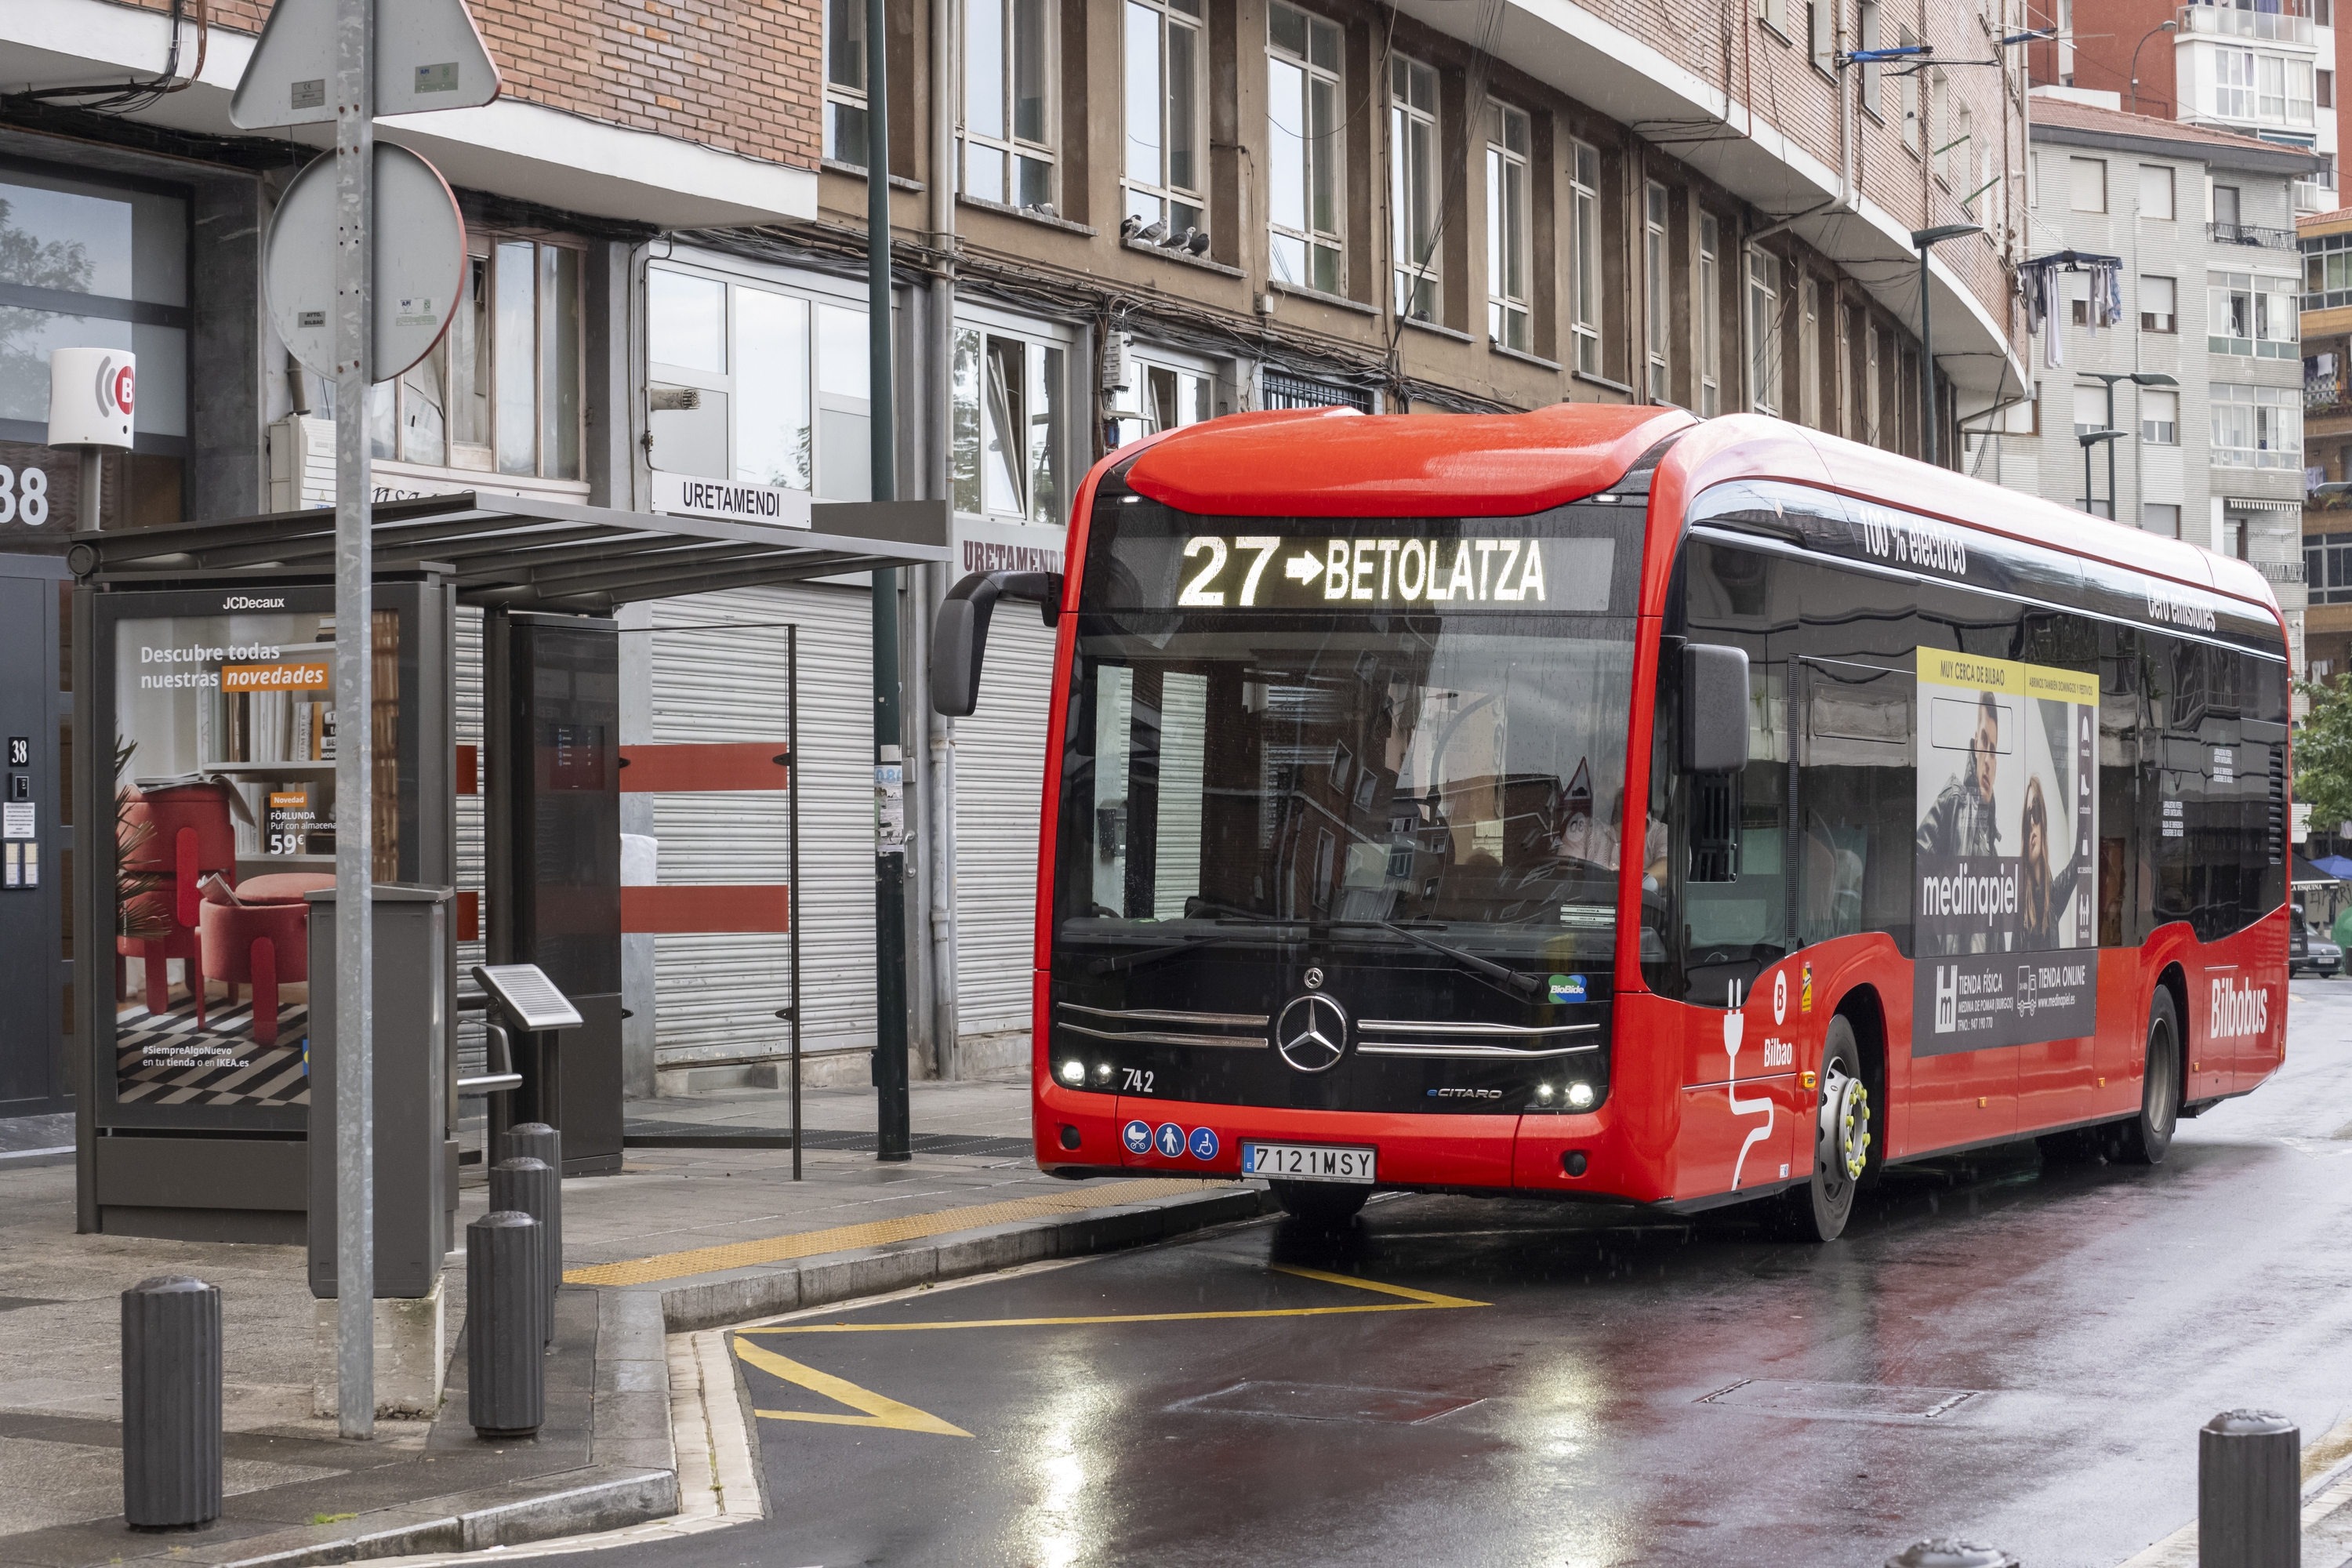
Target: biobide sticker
[(1568, 987)]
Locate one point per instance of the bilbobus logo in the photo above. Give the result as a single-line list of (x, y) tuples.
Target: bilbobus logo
[(114, 388), (2238, 1012)]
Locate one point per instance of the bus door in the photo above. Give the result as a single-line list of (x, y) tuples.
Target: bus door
[(1728, 895)]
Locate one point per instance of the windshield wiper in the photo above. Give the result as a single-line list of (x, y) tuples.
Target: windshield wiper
[(1180, 945), (1485, 968)]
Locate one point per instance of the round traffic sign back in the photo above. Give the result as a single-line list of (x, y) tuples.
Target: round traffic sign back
[(420, 262)]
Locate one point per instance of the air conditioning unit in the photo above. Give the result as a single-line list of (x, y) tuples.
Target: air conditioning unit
[(301, 463)]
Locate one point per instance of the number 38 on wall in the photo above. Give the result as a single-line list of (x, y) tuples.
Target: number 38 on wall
[(24, 496)]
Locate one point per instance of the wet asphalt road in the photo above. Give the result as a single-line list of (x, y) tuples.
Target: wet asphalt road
[(2016, 1349)]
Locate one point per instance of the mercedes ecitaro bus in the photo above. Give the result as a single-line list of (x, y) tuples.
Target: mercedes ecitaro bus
[(1598, 802)]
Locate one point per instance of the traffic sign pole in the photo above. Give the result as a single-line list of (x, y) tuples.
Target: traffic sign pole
[(354, 318)]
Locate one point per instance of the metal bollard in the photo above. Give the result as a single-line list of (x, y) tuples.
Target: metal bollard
[(171, 1403), (506, 1363), (538, 1140), (528, 1186), (2249, 1492), (1943, 1552)]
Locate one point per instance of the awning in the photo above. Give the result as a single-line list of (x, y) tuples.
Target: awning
[(526, 552), (2259, 503), (2326, 869)]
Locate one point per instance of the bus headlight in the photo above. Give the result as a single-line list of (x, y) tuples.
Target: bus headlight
[(1580, 1097), (1073, 1073), (1544, 1092)]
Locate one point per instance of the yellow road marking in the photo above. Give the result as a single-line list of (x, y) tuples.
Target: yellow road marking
[(1414, 1301), (874, 1233), (880, 1409)]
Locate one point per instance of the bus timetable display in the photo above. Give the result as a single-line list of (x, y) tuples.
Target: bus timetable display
[(1272, 571)]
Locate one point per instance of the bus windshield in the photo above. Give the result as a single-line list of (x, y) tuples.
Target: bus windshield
[(1428, 774)]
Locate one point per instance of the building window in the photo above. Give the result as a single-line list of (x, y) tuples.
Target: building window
[(1654, 206), (1958, 151), (1510, 254), (1874, 423), (1006, 457), (502, 389), (1706, 307), (2324, 87), (1584, 254), (1415, 161), (1280, 389), (1865, 16), (2159, 417), (2161, 517), (2090, 409), (2299, 93), (2233, 83), (782, 379), (1304, 123), (2089, 184), (2253, 315), (1821, 34), (1774, 14), (2159, 307), (1161, 397), (1008, 101), (1764, 332), (2257, 426), (1164, 174), (2155, 192), (845, 82)]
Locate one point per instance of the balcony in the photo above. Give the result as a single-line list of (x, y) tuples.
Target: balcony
[(2281, 570), (2290, 24), (2314, 196), (2249, 234)]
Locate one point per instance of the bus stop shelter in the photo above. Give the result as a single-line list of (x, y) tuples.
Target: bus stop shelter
[(201, 664)]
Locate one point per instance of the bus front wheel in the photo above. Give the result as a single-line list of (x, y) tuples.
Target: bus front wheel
[(1322, 1205), (1843, 1130), (2147, 1136)]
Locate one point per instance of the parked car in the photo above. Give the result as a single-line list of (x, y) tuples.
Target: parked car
[(2308, 951)]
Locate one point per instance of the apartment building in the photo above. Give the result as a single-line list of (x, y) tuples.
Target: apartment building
[(2266, 68), (2327, 244), (1111, 217), (2200, 371)]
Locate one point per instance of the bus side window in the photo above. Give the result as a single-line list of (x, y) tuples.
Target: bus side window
[(1856, 761), (2119, 721)]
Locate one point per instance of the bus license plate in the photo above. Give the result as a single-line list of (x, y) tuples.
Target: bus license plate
[(1308, 1162)]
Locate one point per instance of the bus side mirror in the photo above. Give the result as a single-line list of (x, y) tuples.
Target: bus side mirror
[(959, 636), (1714, 708)]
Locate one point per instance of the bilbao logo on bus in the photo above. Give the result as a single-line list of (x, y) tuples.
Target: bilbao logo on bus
[(2238, 1010), (114, 388)]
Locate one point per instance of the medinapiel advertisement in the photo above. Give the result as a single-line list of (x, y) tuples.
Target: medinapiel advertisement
[(2008, 799)]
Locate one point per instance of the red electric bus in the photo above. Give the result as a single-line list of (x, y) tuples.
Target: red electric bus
[(1600, 803)]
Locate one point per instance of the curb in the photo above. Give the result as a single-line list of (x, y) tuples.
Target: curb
[(741, 1295), (635, 1478)]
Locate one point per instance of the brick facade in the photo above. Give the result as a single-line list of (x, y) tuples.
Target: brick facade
[(738, 75)]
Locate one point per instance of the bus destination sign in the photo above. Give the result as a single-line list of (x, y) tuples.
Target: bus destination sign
[(1252, 572)]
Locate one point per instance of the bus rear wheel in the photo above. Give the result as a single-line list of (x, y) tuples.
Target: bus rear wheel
[(1322, 1205), (1817, 1210), (2146, 1137)]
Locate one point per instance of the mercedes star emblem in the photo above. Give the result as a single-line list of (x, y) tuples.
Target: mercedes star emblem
[(1311, 1032), (1315, 980)]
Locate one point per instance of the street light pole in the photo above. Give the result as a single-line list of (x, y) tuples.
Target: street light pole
[(2089, 439), (2109, 377), (892, 1118), (2152, 32), (1924, 240)]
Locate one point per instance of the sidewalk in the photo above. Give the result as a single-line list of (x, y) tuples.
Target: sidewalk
[(683, 1238)]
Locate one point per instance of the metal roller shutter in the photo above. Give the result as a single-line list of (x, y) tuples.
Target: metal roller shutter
[(719, 675), (999, 785)]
